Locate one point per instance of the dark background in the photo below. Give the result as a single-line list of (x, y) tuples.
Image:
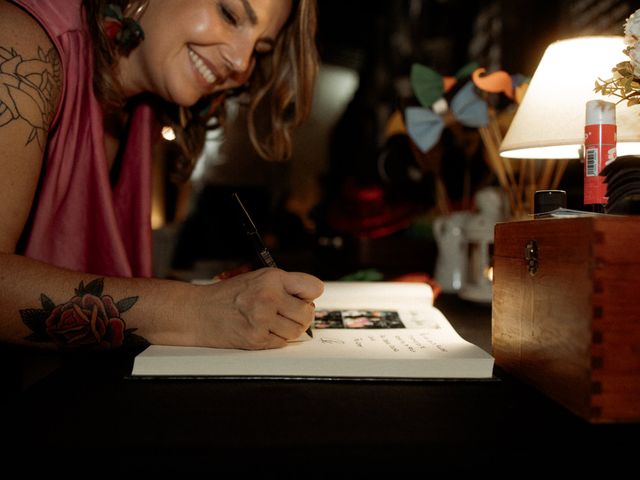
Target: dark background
[(447, 33), (379, 40)]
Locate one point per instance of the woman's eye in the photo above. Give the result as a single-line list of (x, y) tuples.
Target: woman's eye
[(228, 15)]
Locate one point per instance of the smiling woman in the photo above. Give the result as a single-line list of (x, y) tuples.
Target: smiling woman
[(219, 44), (84, 86)]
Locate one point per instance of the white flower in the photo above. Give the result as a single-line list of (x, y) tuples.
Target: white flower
[(632, 28), (625, 81), (634, 56)]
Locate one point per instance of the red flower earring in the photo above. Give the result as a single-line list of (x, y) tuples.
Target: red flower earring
[(125, 32)]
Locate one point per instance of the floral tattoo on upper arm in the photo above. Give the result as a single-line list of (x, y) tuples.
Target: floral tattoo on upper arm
[(28, 89), (89, 319)]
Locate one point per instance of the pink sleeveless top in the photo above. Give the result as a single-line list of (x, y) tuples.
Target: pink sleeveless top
[(79, 220)]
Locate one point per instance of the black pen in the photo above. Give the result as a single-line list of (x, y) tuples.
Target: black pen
[(262, 252)]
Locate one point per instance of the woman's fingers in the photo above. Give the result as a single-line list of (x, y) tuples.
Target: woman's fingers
[(260, 309), (287, 328), (302, 285), (297, 310)]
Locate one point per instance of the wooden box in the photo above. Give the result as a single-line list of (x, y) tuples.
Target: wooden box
[(566, 311)]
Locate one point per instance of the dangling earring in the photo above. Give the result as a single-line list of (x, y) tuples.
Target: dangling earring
[(123, 29)]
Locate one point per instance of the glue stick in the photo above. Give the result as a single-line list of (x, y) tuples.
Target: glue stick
[(599, 150)]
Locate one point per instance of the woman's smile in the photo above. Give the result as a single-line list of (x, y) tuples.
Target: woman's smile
[(202, 68)]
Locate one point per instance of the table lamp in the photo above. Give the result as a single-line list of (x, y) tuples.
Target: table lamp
[(549, 123)]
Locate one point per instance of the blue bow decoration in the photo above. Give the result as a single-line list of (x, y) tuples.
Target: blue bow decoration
[(425, 127)]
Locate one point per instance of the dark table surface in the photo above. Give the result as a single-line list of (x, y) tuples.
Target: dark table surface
[(82, 411)]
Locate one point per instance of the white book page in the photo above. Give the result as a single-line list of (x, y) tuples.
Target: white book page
[(422, 343), (375, 295)]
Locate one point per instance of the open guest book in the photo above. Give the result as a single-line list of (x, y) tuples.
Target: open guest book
[(366, 330)]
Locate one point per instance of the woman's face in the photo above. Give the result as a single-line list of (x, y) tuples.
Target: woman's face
[(195, 47)]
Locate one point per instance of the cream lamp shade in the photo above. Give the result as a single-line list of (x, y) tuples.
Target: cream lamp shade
[(549, 123)]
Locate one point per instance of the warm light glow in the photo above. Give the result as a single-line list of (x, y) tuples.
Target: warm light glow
[(168, 134), (549, 123), (488, 273), (157, 219)]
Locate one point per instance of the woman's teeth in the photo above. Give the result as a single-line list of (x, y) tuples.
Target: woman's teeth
[(202, 68)]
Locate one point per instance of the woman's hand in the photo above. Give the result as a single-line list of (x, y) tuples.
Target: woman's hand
[(257, 310)]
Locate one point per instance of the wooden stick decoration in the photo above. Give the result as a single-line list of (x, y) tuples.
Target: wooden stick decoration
[(561, 166)]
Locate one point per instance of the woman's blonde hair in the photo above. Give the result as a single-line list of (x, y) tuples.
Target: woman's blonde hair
[(280, 89)]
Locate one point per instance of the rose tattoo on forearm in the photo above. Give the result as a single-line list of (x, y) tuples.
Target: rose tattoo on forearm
[(89, 319)]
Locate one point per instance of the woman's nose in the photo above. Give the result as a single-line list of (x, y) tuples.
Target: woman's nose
[(238, 57)]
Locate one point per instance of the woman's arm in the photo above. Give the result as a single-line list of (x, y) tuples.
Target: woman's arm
[(29, 94), (47, 306)]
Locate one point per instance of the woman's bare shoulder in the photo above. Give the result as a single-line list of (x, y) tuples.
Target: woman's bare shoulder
[(31, 64), (19, 27), (30, 86)]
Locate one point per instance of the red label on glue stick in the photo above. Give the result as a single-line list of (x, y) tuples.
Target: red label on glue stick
[(599, 149)]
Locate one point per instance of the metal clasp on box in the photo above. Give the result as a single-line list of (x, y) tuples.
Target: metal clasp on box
[(531, 256)]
